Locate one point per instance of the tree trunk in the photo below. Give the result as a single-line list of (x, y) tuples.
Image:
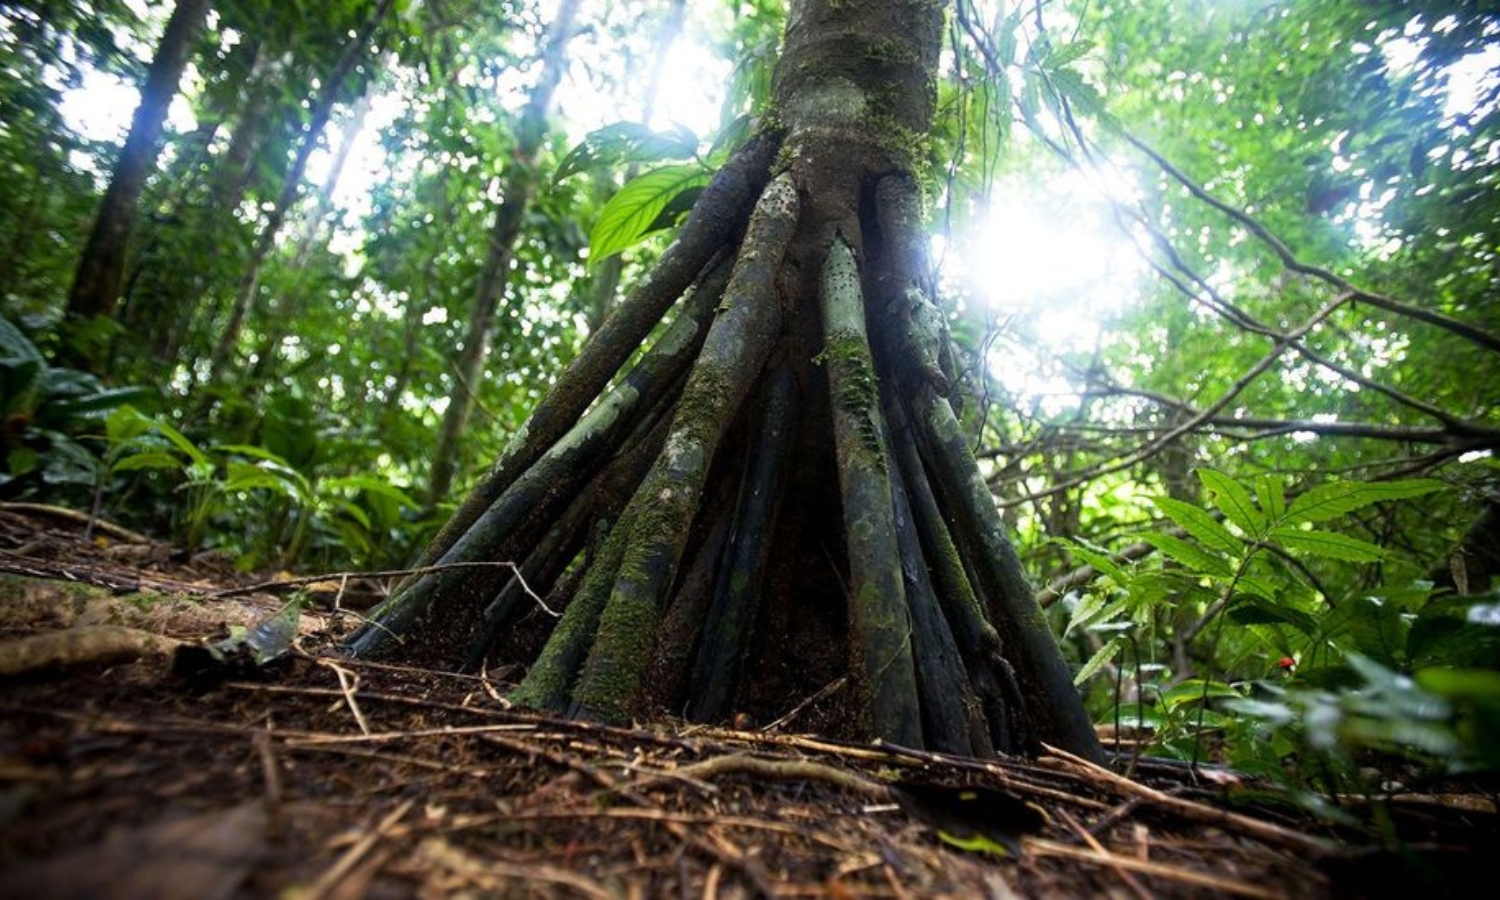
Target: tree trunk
[(333, 89), (288, 308), (777, 495), (96, 283), (520, 182)]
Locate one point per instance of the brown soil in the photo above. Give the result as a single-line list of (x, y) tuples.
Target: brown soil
[(323, 777)]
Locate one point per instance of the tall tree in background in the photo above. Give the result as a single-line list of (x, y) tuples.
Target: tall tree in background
[(333, 89), (96, 284), (516, 191), (777, 494)]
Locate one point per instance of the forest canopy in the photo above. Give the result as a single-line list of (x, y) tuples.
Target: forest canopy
[(1216, 289)]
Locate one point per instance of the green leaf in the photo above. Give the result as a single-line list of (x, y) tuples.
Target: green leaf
[(1099, 559), (245, 476), (1329, 501), (353, 511), (126, 424), (1030, 102), (1378, 631), (371, 485), (1008, 32), (1233, 500), (1478, 684), (1272, 497), (1191, 555), (181, 442), (1095, 609), (1109, 651), (623, 143), (1456, 631), (1327, 544), (150, 459), (1274, 714), (630, 213), (21, 461), (1201, 525), (22, 368), (1067, 53), (107, 399), (1195, 690), (730, 137), (973, 843), (1256, 611), (1256, 587), (253, 452)]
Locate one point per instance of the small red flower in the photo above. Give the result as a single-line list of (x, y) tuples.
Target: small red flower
[(1286, 662)]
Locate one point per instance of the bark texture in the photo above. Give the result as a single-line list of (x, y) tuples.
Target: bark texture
[(776, 496)]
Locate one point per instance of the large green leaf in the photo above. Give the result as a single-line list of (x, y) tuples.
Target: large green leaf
[(101, 401), (1272, 496), (181, 442), (245, 476), (1191, 555), (1196, 690), (1099, 559), (1329, 501), (1377, 630), (1101, 658), (630, 214), (627, 142), (1327, 545), (150, 459), (21, 370), (1456, 631), (371, 485), (1201, 525), (1233, 500)]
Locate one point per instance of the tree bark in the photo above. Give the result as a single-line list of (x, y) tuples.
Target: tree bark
[(813, 510), (97, 281)]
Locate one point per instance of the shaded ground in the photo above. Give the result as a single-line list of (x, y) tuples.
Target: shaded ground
[(328, 778)]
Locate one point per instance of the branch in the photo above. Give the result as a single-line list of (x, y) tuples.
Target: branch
[(1244, 381), (1289, 260)]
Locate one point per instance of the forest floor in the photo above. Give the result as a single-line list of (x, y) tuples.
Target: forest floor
[(321, 777)]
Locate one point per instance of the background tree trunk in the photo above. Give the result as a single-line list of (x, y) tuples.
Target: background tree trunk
[(333, 90), (519, 184), (96, 284)]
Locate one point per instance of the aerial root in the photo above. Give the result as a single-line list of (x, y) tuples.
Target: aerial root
[(730, 615), (880, 622), (710, 227), (653, 531)]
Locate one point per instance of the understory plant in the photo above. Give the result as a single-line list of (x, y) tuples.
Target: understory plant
[(255, 502), (1228, 644)]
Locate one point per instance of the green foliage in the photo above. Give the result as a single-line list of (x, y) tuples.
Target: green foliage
[(47, 413), (282, 509), (650, 202), (627, 142), (1300, 678), (1442, 719)]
